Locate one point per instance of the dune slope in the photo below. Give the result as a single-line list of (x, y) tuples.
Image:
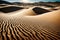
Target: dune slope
[(26, 25)]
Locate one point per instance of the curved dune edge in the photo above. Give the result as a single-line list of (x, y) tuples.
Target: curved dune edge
[(23, 26), (52, 16)]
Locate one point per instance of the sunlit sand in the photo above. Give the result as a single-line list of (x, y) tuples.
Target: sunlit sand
[(26, 24)]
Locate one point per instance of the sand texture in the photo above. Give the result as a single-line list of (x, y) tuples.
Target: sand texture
[(28, 25)]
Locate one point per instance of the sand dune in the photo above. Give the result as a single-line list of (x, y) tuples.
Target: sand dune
[(27, 25)]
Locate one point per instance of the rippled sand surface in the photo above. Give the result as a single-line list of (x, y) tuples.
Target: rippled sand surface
[(27, 25)]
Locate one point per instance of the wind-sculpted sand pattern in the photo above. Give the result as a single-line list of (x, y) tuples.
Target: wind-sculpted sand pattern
[(24, 26)]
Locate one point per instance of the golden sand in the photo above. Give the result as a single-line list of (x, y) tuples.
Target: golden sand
[(26, 25)]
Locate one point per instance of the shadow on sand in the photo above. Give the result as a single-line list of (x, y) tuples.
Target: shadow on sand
[(39, 10), (10, 9)]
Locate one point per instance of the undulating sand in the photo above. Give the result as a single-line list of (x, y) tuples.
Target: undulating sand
[(28, 25)]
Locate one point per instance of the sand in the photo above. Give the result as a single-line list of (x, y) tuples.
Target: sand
[(27, 25)]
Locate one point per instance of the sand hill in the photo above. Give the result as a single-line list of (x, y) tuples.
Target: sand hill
[(27, 25)]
